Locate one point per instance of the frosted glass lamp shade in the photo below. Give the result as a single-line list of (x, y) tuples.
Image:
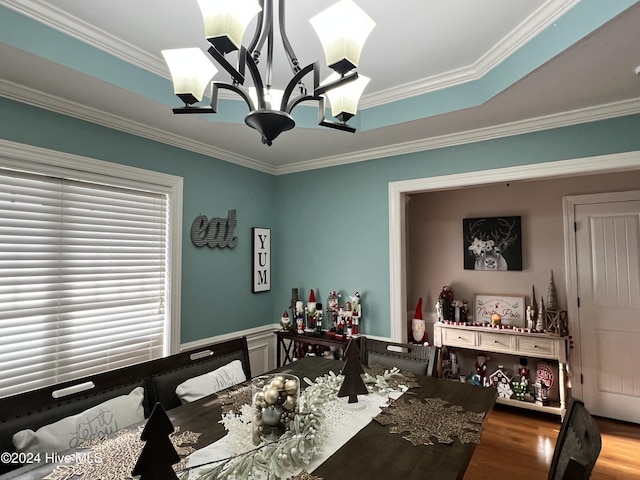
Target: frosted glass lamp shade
[(344, 99), (191, 72), (342, 28), (225, 21)]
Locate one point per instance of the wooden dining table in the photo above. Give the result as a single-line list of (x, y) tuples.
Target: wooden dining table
[(373, 452)]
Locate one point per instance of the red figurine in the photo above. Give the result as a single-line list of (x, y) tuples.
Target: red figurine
[(481, 368)]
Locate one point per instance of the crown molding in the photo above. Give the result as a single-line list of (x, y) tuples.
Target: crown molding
[(53, 17), (47, 14), (65, 107), (55, 104), (548, 122), (523, 33)]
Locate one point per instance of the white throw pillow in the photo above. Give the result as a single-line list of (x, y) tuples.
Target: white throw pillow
[(108, 417), (212, 382)]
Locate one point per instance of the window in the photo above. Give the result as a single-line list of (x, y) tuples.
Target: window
[(87, 269)]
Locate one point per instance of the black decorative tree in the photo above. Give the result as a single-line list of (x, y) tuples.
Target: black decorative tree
[(352, 385), (158, 454)]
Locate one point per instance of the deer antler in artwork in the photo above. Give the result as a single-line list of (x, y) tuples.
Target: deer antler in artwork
[(504, 235), (475, 231)]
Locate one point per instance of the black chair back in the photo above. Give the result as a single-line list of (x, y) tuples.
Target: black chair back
[(578, 445), (419, 359)]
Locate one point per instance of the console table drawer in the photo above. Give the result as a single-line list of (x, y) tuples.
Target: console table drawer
[(459, 338), (537, 346), (495, 341)]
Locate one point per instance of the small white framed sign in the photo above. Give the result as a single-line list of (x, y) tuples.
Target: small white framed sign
[(510, 307), (261, 262)]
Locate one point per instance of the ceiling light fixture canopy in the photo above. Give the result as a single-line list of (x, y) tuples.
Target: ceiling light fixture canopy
[(342, 28)]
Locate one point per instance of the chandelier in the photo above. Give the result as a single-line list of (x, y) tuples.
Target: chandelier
[(342, 29)]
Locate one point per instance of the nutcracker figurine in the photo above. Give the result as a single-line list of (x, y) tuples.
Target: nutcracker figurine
[(333, 306), (356, 313), (299, 317), (311, 311)]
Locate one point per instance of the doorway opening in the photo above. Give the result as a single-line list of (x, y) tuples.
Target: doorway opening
[(399, 193)]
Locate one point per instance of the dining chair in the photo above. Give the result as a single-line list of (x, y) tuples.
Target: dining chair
[(419, 359), (578, 445)]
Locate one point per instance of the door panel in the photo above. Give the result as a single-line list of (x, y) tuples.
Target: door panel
[(608, 271)]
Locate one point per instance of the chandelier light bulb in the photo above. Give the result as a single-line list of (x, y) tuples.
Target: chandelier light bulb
[(272, 96)]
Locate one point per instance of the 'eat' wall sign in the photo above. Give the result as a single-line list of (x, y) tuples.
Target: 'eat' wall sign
[(217, 232)]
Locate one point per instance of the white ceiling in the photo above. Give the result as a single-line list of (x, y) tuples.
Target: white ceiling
[(417, 47)]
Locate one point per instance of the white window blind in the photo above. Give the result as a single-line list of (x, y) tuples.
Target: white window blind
[(83, 278)]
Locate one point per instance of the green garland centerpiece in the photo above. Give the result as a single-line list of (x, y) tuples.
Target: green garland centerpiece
[(303, 437)]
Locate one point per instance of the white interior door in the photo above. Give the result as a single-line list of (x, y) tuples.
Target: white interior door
[(608, 281)]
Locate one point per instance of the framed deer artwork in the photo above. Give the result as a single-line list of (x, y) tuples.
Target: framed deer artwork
[(492, 243)]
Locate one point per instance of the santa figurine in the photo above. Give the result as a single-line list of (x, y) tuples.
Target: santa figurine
[(418, 329)]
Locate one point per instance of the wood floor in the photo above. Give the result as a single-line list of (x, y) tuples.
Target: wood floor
[(519, 445)]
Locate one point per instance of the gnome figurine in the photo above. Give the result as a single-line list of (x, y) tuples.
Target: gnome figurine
[(418, 325)]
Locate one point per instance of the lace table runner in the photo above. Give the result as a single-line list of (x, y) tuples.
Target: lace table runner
[(341, 424), (114, 458)]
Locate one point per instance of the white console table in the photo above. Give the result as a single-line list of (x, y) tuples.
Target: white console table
[(507, 341)]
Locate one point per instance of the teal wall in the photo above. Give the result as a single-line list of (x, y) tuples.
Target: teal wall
[(216, 283), (332, 224), (329, 226)]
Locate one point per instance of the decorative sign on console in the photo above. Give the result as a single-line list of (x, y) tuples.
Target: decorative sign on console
[(511, 308), (217, 232)]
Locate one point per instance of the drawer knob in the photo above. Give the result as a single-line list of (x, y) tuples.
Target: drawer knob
[(460, 338), (496, 341)]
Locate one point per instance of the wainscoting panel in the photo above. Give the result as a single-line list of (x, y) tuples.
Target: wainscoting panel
[(261, 342)]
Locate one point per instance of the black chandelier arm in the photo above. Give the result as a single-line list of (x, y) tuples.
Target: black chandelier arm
[(322, 89), (259, 29), (235, 89), (269, 70), (237, 73), (322, 119), (297, 78), (192, 109), (288, 49), (212, 108), (257, 81), (298, 100), (337, 126), (266, 26)]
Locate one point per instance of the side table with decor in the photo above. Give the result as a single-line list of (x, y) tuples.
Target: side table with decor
[(288, 340), (511, 342)]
